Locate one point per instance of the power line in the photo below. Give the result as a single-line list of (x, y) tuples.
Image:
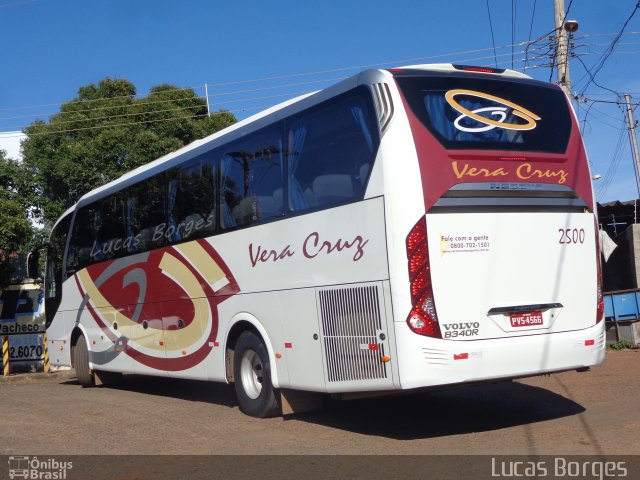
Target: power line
[(613, 166), (157, 102), (71, 130), (611, 102), (607, 115), (580, 36), (600, 112), (533, 16), (514, 6), (614, 53), (584, 119), (514, 19), (16, 4), (373, 65), (279, 77), (152, 112), (228, 102), (91, 100), (528, 44), (600, 63), (600, 94), (110, 117), (493, 40), (587, 45), (549, 39), (236, 101), (453, 54), (125, 107), (593, 78), (543, 48), (241, 110)]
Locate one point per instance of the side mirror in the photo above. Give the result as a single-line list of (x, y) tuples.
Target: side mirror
[(33, 264)]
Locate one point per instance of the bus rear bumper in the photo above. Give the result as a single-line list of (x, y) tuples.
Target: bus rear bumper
[(426, 362)]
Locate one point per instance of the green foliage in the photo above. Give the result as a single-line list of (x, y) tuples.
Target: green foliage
[(620, 345), (105, 132), (14, 225), (17, 183), (16, 231)]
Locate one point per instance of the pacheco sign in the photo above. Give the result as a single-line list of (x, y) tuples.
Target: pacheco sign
[(21, 308)]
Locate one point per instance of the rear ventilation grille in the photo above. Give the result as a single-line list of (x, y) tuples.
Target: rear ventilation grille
[(491, 195), (384, 104), (351, 329)]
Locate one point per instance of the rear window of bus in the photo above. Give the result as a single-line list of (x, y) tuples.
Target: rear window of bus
[(471, 113)]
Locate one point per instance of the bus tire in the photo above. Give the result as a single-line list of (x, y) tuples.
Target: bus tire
[(252, 377), (81, 363)]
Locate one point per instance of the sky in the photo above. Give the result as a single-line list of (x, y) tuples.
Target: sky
[(254, 54)]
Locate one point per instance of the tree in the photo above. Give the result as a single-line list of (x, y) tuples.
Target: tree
[(105, 132), (16, 232)]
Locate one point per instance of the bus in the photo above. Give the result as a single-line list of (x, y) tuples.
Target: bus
[(402, 230)]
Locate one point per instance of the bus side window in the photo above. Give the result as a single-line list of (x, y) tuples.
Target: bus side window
[(330, 151), (191, 200), (146, 222), (84, 246), (232, 192), (111, 228), (252, 179), (54, 267)]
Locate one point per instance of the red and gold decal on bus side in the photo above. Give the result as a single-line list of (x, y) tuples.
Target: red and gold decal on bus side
[(158, 307)]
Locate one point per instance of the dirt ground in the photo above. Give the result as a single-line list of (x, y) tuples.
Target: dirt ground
[(592, 413)]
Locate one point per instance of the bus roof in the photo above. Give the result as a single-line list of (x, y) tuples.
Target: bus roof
[(451, 68)]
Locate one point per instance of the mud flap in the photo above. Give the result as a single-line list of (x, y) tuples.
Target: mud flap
[(297, 401)]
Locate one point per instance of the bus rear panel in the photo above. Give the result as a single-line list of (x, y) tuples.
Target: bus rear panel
[(503, 267)]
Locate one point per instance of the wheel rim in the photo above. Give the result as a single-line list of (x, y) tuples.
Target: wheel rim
[(251, 374)]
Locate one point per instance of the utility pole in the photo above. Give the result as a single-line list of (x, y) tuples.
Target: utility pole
[(206, 94), (633, 141), (562, 45)]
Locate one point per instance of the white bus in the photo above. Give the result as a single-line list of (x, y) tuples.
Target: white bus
[(404, 229)]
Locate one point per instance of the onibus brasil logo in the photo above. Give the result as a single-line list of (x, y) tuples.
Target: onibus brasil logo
[(38, 469), (499, 111)]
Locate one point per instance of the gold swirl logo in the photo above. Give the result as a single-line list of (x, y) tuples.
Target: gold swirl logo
[(499, 111)]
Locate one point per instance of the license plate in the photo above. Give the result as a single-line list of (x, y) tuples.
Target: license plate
[(527, 319)]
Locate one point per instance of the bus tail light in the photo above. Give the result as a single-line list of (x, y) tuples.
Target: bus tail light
[(599, 296), (473, 68), (600, 299), (422, 318)]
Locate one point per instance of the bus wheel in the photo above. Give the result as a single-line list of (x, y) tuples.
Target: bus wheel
[(81, 363), (252, 376)]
